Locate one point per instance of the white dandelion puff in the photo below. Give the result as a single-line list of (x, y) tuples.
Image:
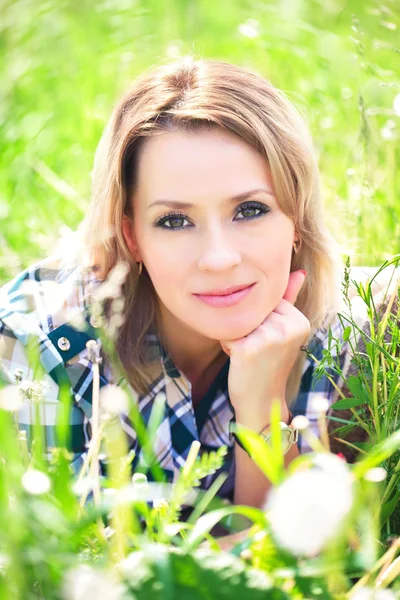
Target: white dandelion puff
[(300, 422), (114, 400), (376, 475), (333, 465), (85, 582), (319, 404), (35, 482), (112, 286), (307, 510), (11, 398)]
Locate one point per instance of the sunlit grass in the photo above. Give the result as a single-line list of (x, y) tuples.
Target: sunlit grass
[(65, 64)]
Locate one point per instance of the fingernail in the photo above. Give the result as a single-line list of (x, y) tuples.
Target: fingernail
[(304, 272)]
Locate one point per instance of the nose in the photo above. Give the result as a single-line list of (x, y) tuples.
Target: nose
[(218, 251)]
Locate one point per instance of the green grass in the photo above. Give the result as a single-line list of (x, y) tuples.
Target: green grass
[(65, 63)]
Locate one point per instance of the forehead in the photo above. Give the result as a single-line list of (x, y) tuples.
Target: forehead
[(178, 165)]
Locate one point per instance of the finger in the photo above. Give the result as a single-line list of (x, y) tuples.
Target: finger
[(225, 348), (296, 280)]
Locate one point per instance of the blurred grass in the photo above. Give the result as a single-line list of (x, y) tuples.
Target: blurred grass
[(65, 63)]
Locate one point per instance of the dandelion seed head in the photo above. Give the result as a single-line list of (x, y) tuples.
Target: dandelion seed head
[(319, 404), (78, 322), (134, 567), (375, 475), (161, 505), (332, 464), (93, 348), (113, 399), (300, 422), (306, 511), (84, 582), (11, 398), (112, 286), (35, 482)]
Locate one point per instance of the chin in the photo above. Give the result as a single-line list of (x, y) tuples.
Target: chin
[(233, 331)]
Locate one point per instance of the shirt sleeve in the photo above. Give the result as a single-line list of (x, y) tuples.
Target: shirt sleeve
[(40, 399)]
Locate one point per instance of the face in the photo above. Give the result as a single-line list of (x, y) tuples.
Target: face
[(204, 219)]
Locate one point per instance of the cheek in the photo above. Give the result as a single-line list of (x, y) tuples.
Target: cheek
[(275, 263), (165, 266)]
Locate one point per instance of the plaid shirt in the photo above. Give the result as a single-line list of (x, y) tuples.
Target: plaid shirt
[(46, 300)]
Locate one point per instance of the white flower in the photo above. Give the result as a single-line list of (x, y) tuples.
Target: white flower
[(33, 391), (376, 475), (366, 593), (319, 403), (300, 422), (112, 286), (114, 400), (332, 464), (134, 567), (84, 583), (35, 482), (306, 511), (11, 398)]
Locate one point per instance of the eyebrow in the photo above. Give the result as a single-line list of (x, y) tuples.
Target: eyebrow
[(232, 199)]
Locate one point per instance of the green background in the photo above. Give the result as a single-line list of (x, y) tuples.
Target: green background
[(64, 65)]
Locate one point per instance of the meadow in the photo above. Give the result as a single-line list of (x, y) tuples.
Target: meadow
[(64, 64)]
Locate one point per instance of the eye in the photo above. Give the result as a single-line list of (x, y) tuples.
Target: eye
[(172, 220), (252, 210)]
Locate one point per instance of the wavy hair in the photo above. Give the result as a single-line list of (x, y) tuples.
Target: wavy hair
[(190, 95)]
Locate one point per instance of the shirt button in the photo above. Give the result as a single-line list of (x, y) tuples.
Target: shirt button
[(64, 344)]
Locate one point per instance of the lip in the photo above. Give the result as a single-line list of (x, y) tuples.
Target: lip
[(226, 291), (225, 300)]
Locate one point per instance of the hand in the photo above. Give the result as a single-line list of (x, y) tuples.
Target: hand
[(262, 360)]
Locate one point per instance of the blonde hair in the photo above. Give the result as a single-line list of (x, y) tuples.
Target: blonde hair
[(189, 95)]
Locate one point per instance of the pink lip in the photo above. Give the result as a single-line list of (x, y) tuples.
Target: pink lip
[(226, 299), (226, 291)]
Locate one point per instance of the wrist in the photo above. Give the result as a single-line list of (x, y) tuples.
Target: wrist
[(259, 421)]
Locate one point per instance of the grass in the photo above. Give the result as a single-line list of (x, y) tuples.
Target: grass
[(65, 63)]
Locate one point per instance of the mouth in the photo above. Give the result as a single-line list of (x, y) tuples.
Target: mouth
[(226, 291), (227, 298)]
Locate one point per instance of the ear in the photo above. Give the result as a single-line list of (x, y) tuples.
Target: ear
[(129, 237)]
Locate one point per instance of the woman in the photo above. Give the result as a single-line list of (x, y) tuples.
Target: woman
[(206, 184)]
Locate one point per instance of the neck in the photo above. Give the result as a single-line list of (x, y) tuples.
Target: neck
[(192, 353)]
